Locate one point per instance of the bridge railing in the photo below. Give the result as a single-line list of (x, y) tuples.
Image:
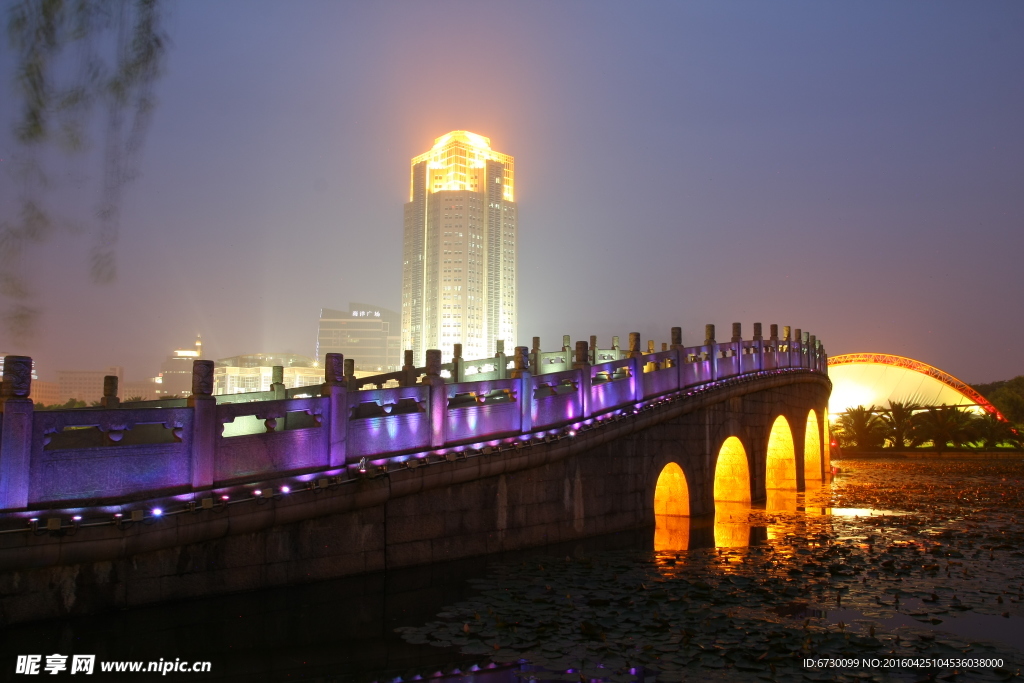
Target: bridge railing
[(127, 451)]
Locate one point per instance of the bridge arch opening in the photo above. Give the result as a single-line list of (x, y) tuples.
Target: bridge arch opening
[(671, 509), (780, 466), (732, 474), (671, 494), (826, 451), (812, 451), (732, 495)]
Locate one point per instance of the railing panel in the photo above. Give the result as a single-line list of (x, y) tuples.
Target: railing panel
[(749, 360), (226, 412), (696, 372), (553, 361), (292, 438), (661, 374), (246, 397), (153, 453), (479, 422), (555, 398), (607, 355), (378, 381), (388, 421), (482, 370), (265, 454), (610, 385), (482, 409), (729, 360), (771, 357), (308, 391)]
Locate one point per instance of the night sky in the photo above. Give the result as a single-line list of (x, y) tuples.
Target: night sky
[(855, 169)]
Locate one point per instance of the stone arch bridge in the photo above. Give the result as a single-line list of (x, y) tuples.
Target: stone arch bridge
[(131, 504)]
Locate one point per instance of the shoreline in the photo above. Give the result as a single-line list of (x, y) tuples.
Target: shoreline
[(929, 455)]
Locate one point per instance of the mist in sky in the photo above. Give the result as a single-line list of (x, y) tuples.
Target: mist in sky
[(854, 169)]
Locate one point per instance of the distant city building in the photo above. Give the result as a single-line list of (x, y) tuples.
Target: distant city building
[(256, 360), (145, 390), (459, 249), (47, 393), (85, 385), (367, 334), (255, 371), (175, 378)]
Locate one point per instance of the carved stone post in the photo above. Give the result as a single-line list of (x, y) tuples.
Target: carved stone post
[(785, 346), (109, 399), (409, 368), (636, 367), (458, 366), (759, 348), (350, 374), (737, 332), (16, 435), (712, 346), (438, 398), (593, 349), (812, 352), (650, 346), (582, 365), (676, 334), (615, 347), (337, 418), (566, 341), (205, 428), (277, 382), (535, 368), (500, 359), (521, 357), (634, 345)]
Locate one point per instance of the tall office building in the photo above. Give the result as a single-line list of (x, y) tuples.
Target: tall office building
[(459, 249)]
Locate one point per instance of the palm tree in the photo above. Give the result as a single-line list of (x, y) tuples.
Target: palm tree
[(899, 423), (944, 425), (861, 428), (991, 431)]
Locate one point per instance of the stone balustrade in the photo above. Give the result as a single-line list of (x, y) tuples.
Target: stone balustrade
[(129, 451)]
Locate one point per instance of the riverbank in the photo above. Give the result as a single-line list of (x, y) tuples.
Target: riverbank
[(928, 454)]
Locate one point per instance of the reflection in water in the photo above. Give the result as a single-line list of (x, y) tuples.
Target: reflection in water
[(780, 500), (732, 524), (671, 533)]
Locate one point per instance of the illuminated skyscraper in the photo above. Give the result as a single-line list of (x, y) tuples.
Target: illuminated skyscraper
[(459, 249)]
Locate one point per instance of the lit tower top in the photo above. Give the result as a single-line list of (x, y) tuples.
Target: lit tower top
[(459, 239), (457, 162)]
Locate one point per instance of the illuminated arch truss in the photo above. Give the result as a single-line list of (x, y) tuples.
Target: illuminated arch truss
[(922, 368)]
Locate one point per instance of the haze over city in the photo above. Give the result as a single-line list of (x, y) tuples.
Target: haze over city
[(676, 164)]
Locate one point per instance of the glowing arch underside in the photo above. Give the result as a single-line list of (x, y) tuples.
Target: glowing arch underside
[(876, 378)]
